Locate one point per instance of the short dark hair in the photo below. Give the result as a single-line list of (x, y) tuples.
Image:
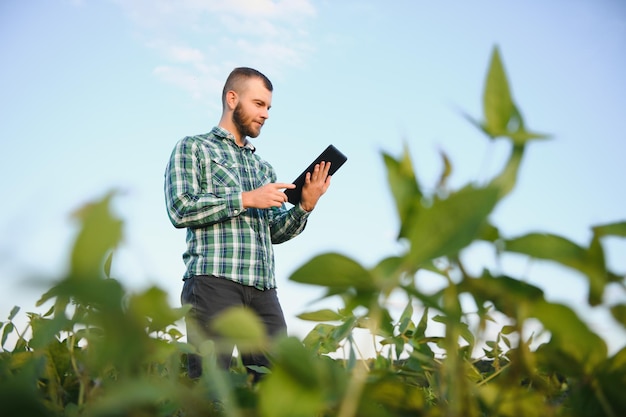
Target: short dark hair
[(238, 76)]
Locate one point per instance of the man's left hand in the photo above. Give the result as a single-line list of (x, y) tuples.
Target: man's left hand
[(315, 185)]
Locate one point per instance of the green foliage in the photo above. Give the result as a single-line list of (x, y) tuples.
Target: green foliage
[(101, 351)]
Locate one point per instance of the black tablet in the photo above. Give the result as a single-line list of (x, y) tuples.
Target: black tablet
[(330, 154)]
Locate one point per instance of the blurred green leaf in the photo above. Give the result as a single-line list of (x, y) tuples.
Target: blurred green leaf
[(6, 331), (391, 396), (610, 229), (134, 397), (106, 294), (335, 271), (294, 388), (512, 401), (388, 273), (611, 378), (403, 185), (406, 317), (498, 104), (489, 233), (20, 393), (343, 330), (321, 315), (153, 303), (449, 225), (107, 265), (14, 312), (509, 295), (507, 329), (619, 313), (579, 349), (446, 171), (555, 248), (321, 339), (242, 327), (100, 233), (420, 330), (502, 116), (506, 180), (46, 330)]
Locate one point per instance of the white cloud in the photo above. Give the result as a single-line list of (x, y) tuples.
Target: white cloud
[(179, 53), (200, 41)]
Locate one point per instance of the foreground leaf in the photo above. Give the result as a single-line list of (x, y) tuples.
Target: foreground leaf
[(449, 225)]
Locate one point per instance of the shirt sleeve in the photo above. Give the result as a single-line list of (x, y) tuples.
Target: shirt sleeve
[(287, 224), (188, 203)]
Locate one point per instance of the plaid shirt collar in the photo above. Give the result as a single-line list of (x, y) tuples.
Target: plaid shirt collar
[(225, 134)]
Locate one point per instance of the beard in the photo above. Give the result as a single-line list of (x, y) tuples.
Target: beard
[(244, 124)]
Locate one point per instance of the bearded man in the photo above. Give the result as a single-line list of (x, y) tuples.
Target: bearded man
[(227, 197)]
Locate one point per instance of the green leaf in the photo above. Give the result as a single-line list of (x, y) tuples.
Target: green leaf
[(466, 333), (510, 296), (548, 246), (106, 294), (558, 249), (14, 312), (100, 233), (107, 265), (403, 185), (301, 384), (611, 378), (498, 104), (129, 397), (396, 396), (619, 313), (298, 362), (446, 172), (580, 349), (8, 329), (321, 315), (335, 271), (420, 330), (284, 396), (153, 304), (46, 330), (489, 233), (344, 330), (320, 339), (405, 318), (388, 272), (507, 179), (174, 333), (507, 329), (612, 229), (449, 225), (242, 327), (502, 117), (522, 136)]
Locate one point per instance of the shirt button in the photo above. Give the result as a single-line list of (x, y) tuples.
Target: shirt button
[(235, 211)]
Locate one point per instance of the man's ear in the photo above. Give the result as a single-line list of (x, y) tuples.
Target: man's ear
[(231, 99)]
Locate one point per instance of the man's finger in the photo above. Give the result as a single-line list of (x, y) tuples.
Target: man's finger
[(281, 185)]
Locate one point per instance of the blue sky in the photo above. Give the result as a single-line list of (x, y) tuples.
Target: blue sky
[(96, 93)]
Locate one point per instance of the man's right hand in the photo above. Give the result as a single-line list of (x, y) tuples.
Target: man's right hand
[(269, 195)]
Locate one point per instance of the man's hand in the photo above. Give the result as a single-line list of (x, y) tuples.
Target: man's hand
[(269, 195), (315, 184)]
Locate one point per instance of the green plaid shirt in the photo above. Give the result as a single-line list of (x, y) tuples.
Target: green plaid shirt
[(204, 179)]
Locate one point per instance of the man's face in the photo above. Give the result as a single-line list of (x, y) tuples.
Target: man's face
[(252, 108)]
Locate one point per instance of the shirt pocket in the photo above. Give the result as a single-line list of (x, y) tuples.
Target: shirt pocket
[(223, 177), (264, 172)]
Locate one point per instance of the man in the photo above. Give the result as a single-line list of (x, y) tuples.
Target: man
[(227, 197)]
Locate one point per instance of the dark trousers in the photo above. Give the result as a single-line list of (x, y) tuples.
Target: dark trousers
[(209, 296)]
